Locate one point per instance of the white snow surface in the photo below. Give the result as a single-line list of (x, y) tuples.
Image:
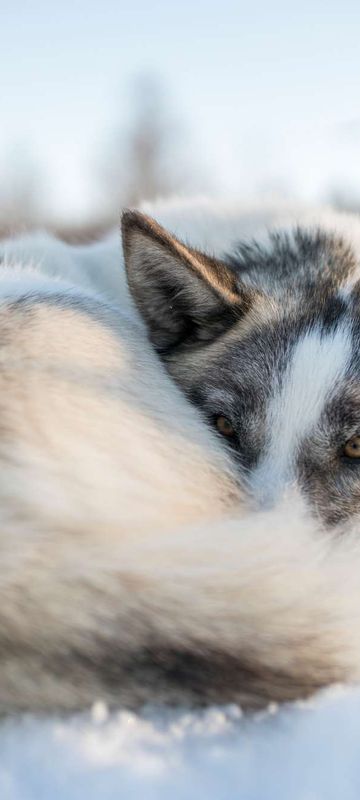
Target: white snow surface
[(303, 751)]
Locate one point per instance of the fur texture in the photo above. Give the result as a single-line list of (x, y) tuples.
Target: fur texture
[(267, 336), (133, 568)]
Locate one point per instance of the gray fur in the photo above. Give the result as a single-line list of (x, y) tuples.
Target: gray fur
[(132, 568), (286, 290)]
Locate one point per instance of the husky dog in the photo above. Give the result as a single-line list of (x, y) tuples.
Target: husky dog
[(265, 338), (133, 567)]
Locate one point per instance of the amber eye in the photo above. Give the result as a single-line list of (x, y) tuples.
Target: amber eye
[(225, 427), (352, 447)]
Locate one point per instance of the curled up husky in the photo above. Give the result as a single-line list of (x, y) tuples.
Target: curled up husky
[(180, 487)]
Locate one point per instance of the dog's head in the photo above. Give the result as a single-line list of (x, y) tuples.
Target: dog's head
[(268, 348)]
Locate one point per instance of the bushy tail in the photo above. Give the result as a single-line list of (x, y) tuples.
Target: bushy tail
[(262, 608), (249, 610)]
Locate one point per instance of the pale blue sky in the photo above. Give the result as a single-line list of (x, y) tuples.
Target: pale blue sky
[(269, 92)]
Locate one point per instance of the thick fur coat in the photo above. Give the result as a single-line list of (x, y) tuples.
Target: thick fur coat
[(134, 566)]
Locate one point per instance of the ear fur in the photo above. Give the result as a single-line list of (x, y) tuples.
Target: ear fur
[(183, 295)]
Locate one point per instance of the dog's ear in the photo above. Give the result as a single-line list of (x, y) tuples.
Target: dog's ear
[(182, 294)]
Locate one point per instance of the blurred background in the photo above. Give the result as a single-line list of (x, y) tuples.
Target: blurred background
[(105, 103)]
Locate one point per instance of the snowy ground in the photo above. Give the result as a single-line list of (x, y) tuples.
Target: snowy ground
[(308, 751)]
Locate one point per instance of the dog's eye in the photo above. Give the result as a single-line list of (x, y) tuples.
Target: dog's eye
[(352, 447), (225, 427)]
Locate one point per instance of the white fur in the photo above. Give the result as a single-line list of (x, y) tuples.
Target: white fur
[(317, 365), (120, 514)]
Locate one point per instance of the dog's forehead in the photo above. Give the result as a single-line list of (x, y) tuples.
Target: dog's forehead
[(313, 378), (315, 370), (268, 336), (299, 352)]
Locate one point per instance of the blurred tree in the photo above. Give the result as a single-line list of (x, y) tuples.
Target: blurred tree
[(20, 191), (146, 158), (151, 135)]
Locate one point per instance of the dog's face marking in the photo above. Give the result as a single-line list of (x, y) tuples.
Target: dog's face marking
[(273, 347), (316, 367), (293, 398)]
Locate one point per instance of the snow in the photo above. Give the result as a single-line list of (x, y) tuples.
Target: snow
[(304, 751)]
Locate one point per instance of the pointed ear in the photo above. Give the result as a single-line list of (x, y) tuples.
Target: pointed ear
[(182, 294)]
